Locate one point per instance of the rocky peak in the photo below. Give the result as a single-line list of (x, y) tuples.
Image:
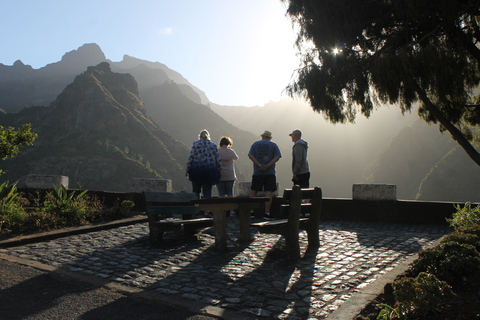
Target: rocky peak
[(98, 98), (89, 54)]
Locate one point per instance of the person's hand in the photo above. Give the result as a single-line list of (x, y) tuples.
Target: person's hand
[(295, 178), (263, 167), (186, 174)]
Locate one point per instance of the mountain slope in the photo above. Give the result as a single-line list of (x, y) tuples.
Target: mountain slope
[(183, 118), (98, 133), (427, 165)]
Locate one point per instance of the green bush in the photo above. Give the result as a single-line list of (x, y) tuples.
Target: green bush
[(422, 296), (457, 264), (40, 221), (12, 213), (465, 216), (71, 209), (462, 237)]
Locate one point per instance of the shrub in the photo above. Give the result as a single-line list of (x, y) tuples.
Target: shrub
[(71, 209), (458, 264), (465, 216), (422, 296), (12, 212), (40, 221), (464, 238)]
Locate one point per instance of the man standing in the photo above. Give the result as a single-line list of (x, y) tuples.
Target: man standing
[(300, 168), (264, 154)]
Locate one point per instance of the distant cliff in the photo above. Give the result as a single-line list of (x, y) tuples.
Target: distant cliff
[(99, 134)]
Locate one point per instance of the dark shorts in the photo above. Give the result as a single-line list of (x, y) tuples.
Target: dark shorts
[(303, 180), (267, 182)]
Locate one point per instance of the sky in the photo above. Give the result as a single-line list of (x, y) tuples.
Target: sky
[(238, 52)]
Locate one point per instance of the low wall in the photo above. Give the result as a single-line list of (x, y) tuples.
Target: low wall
[(398, 211), (393, 211)]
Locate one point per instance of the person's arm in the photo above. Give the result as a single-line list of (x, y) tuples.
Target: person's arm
[(298, 157), (254, 160), (271, 163), (189, 160)]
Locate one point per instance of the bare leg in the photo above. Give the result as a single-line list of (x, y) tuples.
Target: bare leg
[(268, 204)]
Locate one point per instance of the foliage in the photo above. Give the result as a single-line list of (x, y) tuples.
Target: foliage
[(388, 313), (71, 209), (458, 264), (8, 194), (357, 55), (11, 140), (465, 237), (422, 295), (465, 216), (11, 210), (54, 209), (40, 221), (119, 209)]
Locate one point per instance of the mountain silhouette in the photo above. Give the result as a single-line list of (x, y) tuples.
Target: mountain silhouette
[(152, 108), (98, 133)]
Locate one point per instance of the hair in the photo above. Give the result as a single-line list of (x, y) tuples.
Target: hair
[(226, 141), (204, 134), (298, 132)]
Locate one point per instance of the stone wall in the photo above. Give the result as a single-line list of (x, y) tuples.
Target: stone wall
[(42, 181), (148, 184), (374, 192)]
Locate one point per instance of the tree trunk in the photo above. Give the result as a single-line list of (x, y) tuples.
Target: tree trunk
[(454, 131)]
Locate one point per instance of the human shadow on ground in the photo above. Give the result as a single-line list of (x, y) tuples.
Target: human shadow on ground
[(252, 278)]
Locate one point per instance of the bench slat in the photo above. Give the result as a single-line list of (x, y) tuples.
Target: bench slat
[(189, 221), (169, 197), (169, 210), (307, 193)]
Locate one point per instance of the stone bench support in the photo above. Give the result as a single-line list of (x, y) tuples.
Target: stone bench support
[(374, 192)]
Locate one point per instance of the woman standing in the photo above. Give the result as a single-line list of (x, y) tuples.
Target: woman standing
[(227, 177), (203, 165)]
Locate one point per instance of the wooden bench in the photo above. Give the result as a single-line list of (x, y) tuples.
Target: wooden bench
[(169, 211), (219, 206), (294, 202)]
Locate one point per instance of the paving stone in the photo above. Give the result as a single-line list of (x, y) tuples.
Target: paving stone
[(254, 278)]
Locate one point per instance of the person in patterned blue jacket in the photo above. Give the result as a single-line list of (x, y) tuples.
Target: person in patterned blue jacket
[(203, 165)]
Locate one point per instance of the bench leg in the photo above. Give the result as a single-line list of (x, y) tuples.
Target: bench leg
[(220, 229), (292, 228), (244, 220), (156, 235), (314, 221)]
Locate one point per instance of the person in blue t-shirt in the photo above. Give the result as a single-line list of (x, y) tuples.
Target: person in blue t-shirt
[(264, 154)]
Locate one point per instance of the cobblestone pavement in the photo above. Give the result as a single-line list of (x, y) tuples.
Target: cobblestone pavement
[(252, 279)]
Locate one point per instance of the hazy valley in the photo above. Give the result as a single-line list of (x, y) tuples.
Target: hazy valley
[(102, 123)]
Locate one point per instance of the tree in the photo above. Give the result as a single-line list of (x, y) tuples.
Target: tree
[(11, 140), (359, 54)]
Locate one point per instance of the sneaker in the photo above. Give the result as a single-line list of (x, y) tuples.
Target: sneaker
[(268, 216)]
